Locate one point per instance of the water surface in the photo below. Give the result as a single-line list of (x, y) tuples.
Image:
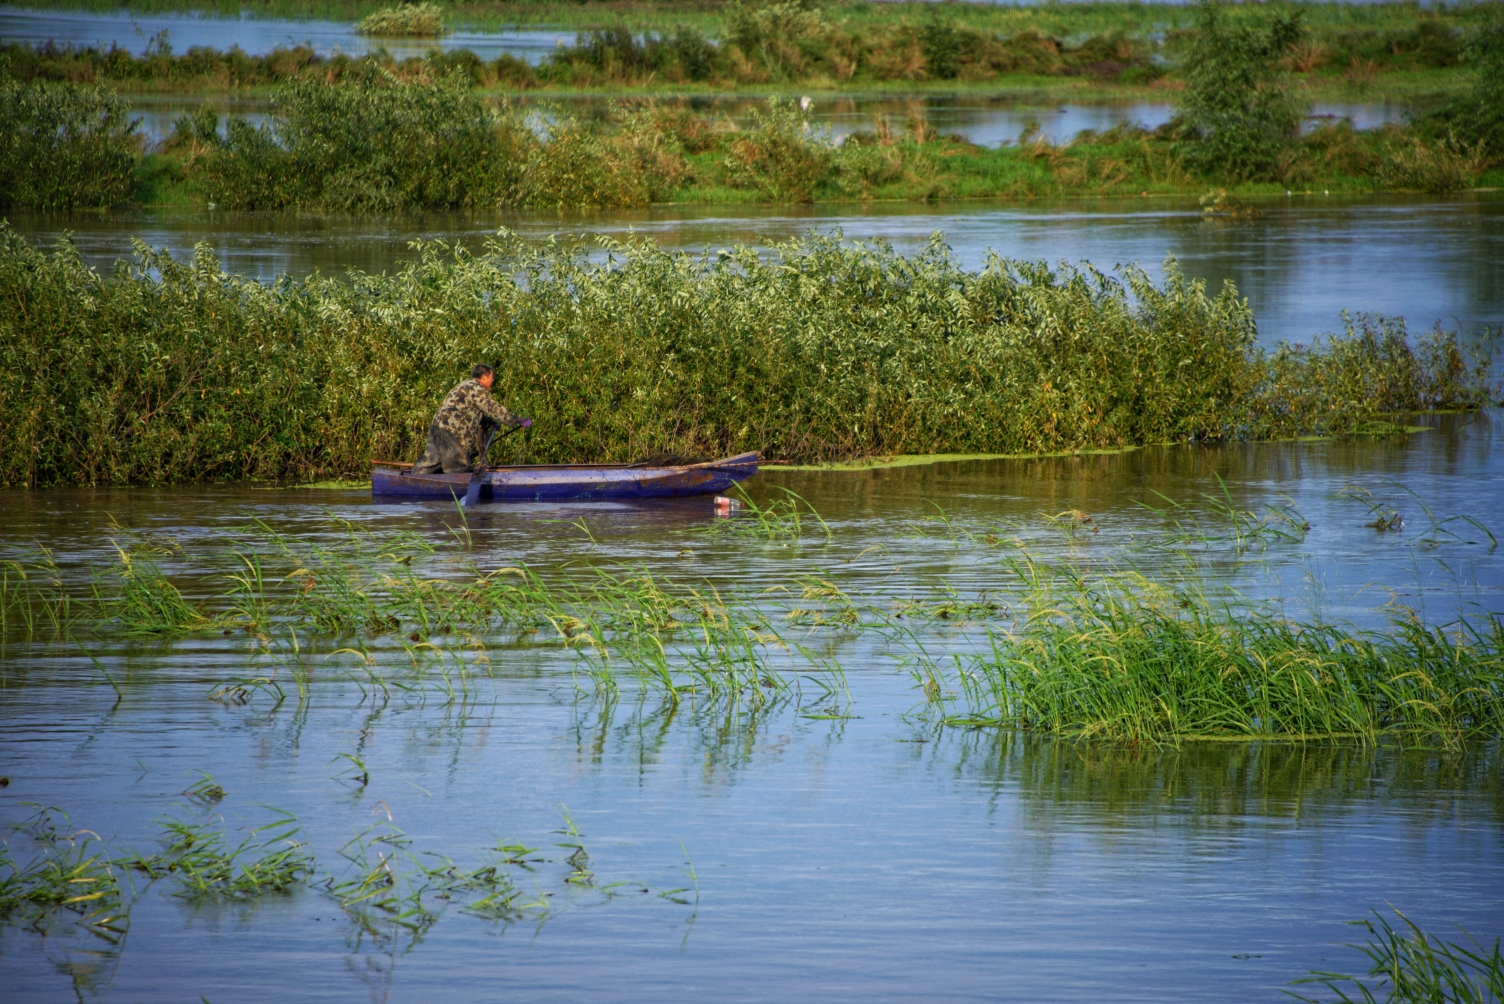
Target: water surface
[(134, 31), (871, 857)]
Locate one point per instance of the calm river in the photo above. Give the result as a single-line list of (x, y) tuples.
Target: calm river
[(840, 842), (844, 849)]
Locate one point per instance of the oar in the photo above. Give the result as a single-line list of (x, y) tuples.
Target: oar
[(478, 476)]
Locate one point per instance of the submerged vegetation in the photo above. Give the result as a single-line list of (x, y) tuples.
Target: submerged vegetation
[(389, 892), (1129, 660), (173, 371), (1101, 650)]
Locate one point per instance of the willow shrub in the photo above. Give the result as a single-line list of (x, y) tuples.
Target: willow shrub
[(64, 146), (1238, 105), (378, 145), (171, 371)]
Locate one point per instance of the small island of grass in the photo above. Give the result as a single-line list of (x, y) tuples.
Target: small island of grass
[(423, 20)]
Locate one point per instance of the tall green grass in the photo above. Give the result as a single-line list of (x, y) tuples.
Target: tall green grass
[(1128, 659), (170, 371)]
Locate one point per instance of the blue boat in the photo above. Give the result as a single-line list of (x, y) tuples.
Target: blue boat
[(539, 482)]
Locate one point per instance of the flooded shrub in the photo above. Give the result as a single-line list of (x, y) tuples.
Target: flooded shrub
[(173, 371), (582, 165), (382, 145), (421, 20), (64, 146), (1373, 368), (1237, 108), (780, 155)]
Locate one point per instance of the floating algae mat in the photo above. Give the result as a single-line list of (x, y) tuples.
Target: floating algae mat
[(297, 743)]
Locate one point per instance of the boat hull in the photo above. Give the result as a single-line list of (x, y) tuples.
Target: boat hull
[(555, 482)]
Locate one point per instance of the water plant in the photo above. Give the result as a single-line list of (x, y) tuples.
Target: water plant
[(1411, 966), (32, 596), (393, 892), (735, 352), (270, 858), (779, 519), (138, 596), (66, 872), (1128, 659)]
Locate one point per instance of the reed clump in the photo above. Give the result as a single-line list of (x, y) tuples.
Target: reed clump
[(408, 20), (1127, 659), (168, 371)]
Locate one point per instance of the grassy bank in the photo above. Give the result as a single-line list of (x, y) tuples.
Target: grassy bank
[(175, 371), (374, 135), (388, 145)]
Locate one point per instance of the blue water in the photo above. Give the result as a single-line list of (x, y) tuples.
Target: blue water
[(134, 31), (875, 856)]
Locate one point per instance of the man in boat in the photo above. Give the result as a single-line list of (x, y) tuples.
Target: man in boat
[(455, 435)]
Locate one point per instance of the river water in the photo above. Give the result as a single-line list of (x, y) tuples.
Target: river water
[(845, 847), (870, 855), (134, 31)]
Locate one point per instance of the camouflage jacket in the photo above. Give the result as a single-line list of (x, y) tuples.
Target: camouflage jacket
[(461, 412)]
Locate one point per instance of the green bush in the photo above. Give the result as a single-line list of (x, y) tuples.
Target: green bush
[(1238, 108), (173, 371), (1478, 117), (64, 146), (380, 145), (423, 20), (781, 155)]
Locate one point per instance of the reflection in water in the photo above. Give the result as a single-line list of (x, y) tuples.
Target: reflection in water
[(1220, 784), (1301, 264)]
